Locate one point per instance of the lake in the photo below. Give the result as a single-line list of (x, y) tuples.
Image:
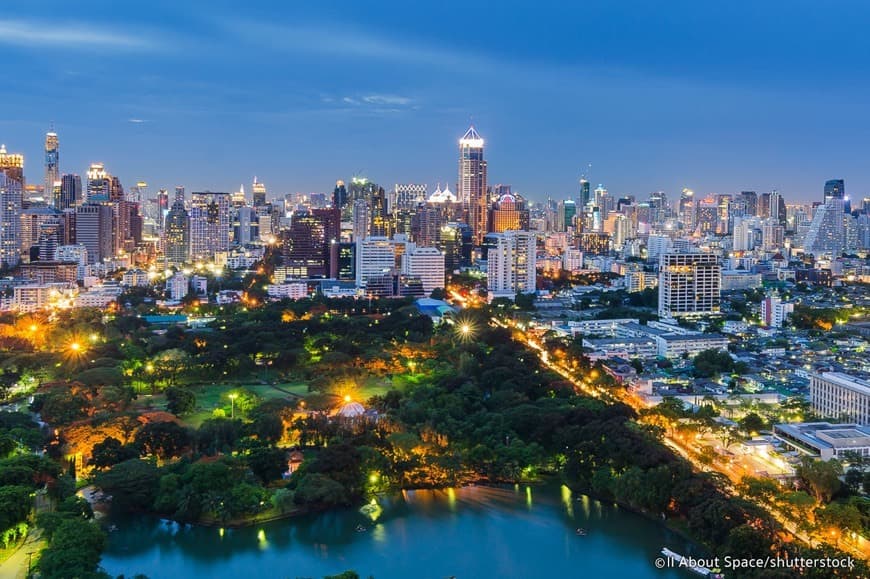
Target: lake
[(475, 532)]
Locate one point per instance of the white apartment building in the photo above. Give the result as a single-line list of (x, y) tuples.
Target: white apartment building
[(840, 396), (426, 263), (689, 284), (511, 264)]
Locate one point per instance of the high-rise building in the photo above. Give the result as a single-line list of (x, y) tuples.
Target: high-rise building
[(777, 208), (426, 225), (307, 245), (70, 192), (258, 192), (511, 264), (52, 159), (840, 396), (360, 219), (689, 284), (471, 187), (585, 194), (99, 183), (209, 224), (378, 213), (12, 165), (826, 234), (408, 196), (10, 220), (835, 188), (426, 263), (177, 234), (772, 236), (93, 229), (510, 212), (774, 311), (750, 203), (687, 209), (455, 241), (339, 195), (375, 257)]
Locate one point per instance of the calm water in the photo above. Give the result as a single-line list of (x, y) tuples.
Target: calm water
[(474, 532)]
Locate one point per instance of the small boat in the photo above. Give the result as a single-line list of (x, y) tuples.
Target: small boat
[(581, 532), (360, 529)]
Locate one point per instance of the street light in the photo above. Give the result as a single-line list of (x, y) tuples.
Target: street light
[(233, 405)]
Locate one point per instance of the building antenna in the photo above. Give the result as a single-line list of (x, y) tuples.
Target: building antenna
[(585, 174)]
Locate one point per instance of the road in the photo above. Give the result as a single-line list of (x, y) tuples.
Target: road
[(15, 567)]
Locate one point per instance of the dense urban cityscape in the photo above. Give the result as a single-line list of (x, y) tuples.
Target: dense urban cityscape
[(343, 290), (729, 327)]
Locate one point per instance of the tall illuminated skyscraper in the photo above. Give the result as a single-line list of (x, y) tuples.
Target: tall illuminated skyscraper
[(258, 190), (472, 182), (99, 183), (10, 221), (52, 158), (12, 165), (209, 224)]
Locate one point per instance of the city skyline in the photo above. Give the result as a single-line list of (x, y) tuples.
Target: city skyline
[(652, 101)]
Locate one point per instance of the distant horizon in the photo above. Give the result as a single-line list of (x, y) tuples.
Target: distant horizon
[(654, 98)]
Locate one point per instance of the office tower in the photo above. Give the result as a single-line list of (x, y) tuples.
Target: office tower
[(138, 193), (743, 237), (835, 188), (656, 245), (840, 396), (658, 203), (750, 202), (585, 194), (99, 183), (456, 243), (569, 211), (689, 284), (93, 229), (307, 245), (380, 225), (408, 196), (510, 212), (707, 216), (238, 197), (116, 191), (339, 195), (162, 206), (342, 261), (826, 234), (772, 236), (52, 158), (12, 165), (10, 219), (209, 224), (687, 209), (258, 193), (127, 230), (360, 219), (777, 208), (426, 225), (471, 188), (177, 235), (245, 225), (593, 242), (774, 311), (50, 237), (70, 192), (723, 215), (763, 206), (601, 201), (31, 221), (179, 194), (511, 264), (427, 264), (375, 257)]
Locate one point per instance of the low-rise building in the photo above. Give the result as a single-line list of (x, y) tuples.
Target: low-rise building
[(825, 440), (674, 346)]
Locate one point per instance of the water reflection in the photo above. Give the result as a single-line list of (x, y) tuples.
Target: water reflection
[(468, 532)]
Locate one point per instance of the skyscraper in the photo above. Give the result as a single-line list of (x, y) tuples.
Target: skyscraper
[(209, 224), (177, 240), (585, 194), (339, 195), (10, 220), (52, 158), (750, 201), (835, 188), (689, 284), (93, 229), (380, 222), (827, 232), (307, 246), (99, 183), (472, 182), (12, 165), (511, 264), (258, 192), (687, 209)]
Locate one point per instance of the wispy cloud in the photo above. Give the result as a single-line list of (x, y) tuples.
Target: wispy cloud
[(66, 34), (137, 121), (386, 99)]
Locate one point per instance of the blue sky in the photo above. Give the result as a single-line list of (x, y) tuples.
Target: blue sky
[(718, 97)]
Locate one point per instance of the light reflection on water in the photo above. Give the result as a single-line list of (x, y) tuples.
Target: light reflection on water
[(466, 532)]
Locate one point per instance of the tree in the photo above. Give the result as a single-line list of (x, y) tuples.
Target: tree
[(163, 439), (821, 477), (132, 484), (15, 504), (110, 452), (318, 489), (711, 363), (751, 423), (74, 551), (180, 401), (267, 463)]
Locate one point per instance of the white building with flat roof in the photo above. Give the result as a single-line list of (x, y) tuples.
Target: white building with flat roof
[(840, 396), (825, 440), (426, 263)]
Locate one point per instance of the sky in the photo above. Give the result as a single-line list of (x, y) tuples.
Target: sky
[(715, 96)]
